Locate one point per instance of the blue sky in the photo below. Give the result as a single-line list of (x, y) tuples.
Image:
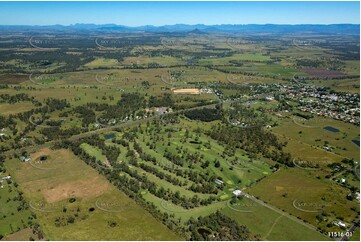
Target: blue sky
[(162, 13)]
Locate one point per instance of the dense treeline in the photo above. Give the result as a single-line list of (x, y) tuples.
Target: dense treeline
[(219, 227), (243, 116), (20, 97), (324, 63), (164, 101), (110, 151), (127, 106), (254, 140), (56, 104), (205, 114), (86, 114)]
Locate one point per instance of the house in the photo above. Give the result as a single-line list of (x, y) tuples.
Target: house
[(237, 192), (23, 158), (340, 224)]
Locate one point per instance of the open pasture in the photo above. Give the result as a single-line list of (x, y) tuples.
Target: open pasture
[(306, 194), (313, 133), (77, 187), (269, 224)]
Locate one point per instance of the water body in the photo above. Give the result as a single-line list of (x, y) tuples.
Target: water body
[(331, 129), (109, 136), (356, 142), (204, 231)]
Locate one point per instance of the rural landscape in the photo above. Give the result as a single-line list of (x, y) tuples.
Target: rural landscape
[(180, 132)]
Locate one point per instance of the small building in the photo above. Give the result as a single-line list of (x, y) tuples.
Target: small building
[(343, 180), (23, 158), (219, 182), (5, 178), (340, 224), (237, 192)]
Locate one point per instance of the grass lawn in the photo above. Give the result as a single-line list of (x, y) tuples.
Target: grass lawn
[(14, 108)]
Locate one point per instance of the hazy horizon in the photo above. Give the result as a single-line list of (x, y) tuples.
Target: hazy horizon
[(134, 14), (220, 24)]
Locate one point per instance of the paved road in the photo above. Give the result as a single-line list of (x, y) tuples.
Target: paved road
[(357, 173), (354, 227)]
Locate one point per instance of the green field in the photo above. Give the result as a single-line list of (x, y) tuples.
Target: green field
[(269, 224), (14, 213), (74, 179), (293, 186)]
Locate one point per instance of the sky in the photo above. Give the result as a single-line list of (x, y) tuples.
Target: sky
[(167, 13)]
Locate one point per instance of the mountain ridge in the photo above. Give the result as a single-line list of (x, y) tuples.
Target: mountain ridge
[(200, 28)]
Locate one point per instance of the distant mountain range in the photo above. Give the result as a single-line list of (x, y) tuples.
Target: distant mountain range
[(353, 29)]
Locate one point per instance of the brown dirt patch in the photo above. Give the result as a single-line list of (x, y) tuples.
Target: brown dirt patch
[(13, 79), (92, 187), (22, 235), (187, 91)]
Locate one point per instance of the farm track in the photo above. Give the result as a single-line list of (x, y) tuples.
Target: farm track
[(277, 210), (357, 173), (352, 229), (273, 225)]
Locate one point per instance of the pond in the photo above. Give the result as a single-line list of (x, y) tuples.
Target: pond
[(109, 136), (203, 231), (356, 142), (331, 129), (195, 142)]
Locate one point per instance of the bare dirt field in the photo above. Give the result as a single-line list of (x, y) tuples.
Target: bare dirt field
[(187, 91)]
